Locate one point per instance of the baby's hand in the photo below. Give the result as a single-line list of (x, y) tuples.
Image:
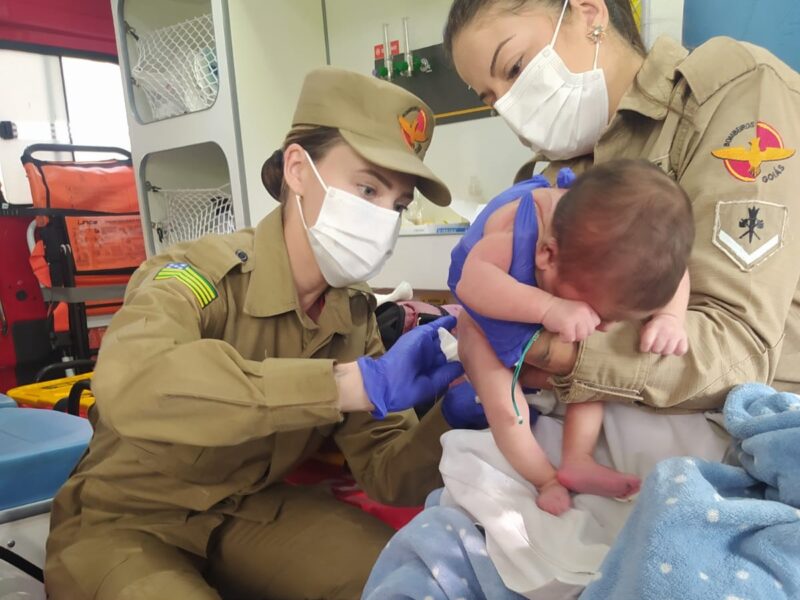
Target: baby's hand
[(572, 321), (664, 334)]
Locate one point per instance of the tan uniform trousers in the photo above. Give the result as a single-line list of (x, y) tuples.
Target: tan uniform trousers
[(316, 548)]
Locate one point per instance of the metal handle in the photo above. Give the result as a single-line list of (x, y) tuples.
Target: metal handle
[(387, 53), (86, 364), (27, 155), (74, 400), (409, 55)]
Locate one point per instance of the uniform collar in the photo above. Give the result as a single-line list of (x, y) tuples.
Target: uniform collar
[(271, 290), (650, 94)]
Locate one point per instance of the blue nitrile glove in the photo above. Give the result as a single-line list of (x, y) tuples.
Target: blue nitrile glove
[(565, 178), (414, 370), (461, 409)]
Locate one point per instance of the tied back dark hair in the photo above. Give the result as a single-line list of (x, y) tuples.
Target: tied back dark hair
[(464, 12), (314, 139)]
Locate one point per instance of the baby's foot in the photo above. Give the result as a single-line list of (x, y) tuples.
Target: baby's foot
[(585, 476), (553, 498)]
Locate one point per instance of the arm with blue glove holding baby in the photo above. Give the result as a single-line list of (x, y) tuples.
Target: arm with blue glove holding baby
[(412, 372), (522, 270), (393, 456)]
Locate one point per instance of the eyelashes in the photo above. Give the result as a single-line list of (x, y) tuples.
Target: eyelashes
[(515, 70)]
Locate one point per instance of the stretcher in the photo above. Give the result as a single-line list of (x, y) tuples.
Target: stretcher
[(56, 394)]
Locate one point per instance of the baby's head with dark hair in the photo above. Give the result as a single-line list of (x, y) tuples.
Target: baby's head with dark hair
[(624, 230)]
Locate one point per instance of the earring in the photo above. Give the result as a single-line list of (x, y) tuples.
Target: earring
[(597, 34)]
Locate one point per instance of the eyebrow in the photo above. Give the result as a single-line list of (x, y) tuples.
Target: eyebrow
[(482, 95), (386, 182), (378, 176), (496, 53)]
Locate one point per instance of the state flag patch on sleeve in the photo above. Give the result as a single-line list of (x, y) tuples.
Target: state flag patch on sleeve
[(201, 288)]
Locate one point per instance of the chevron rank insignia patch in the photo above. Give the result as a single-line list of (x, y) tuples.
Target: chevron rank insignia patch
[(749, 231), (201, 288)]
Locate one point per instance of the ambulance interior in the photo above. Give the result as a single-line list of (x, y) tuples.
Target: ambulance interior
[(127, 126)]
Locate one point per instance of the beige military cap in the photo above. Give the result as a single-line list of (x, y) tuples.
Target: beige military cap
[(384, 123)]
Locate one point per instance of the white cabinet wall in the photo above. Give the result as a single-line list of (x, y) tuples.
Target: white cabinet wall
[(661, 17), (259, 64)]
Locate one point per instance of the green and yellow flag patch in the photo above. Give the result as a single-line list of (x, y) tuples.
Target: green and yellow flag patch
[(201, 288)]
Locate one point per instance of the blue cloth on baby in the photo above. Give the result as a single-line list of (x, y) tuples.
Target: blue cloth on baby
[(708, 530), (507, 338)]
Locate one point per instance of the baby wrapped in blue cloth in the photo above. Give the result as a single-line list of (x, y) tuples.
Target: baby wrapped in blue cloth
[(613, 247)]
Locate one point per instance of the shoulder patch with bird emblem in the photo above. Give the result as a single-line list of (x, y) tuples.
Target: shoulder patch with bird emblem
[(754, 151)]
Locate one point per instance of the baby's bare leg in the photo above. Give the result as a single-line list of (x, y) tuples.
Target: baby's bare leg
[(579, 471), (492, 381)]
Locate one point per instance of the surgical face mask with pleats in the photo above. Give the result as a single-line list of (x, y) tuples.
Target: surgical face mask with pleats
[(352, 238), (553, 110)]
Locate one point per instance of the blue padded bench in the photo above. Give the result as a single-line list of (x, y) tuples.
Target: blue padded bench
[(6, 402), (38, 450)]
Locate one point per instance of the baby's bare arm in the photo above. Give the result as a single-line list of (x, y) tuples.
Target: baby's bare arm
[(665, 333), (488, 289), (680, 301), (492, 382)]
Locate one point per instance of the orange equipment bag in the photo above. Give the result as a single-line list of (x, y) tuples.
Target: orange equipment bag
[(92, 208), (98, 202)]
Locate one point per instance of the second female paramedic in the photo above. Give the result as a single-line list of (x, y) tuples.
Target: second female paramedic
[(235, 357), (572, 79)]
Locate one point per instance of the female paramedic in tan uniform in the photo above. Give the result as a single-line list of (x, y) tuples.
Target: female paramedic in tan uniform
[(234, 358), (724, 121), (572, 80)]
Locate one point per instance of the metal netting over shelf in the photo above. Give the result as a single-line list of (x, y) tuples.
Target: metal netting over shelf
[(177, 67), (193, 213)]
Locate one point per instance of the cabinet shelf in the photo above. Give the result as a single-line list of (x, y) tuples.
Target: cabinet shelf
[(210, 93), (184, 203), (171, 59)]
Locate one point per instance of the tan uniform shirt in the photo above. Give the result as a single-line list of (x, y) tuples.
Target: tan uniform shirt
[(744, 313), (202, 406)]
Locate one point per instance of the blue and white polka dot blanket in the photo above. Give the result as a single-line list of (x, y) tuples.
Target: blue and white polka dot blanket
[(439, 555), (704, 530)]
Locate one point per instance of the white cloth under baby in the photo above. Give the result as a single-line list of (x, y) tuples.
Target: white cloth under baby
[(531, 548), (403, 291), (449, 344)]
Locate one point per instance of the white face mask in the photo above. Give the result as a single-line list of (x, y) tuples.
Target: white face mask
[(553, 110), (352, 238)]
